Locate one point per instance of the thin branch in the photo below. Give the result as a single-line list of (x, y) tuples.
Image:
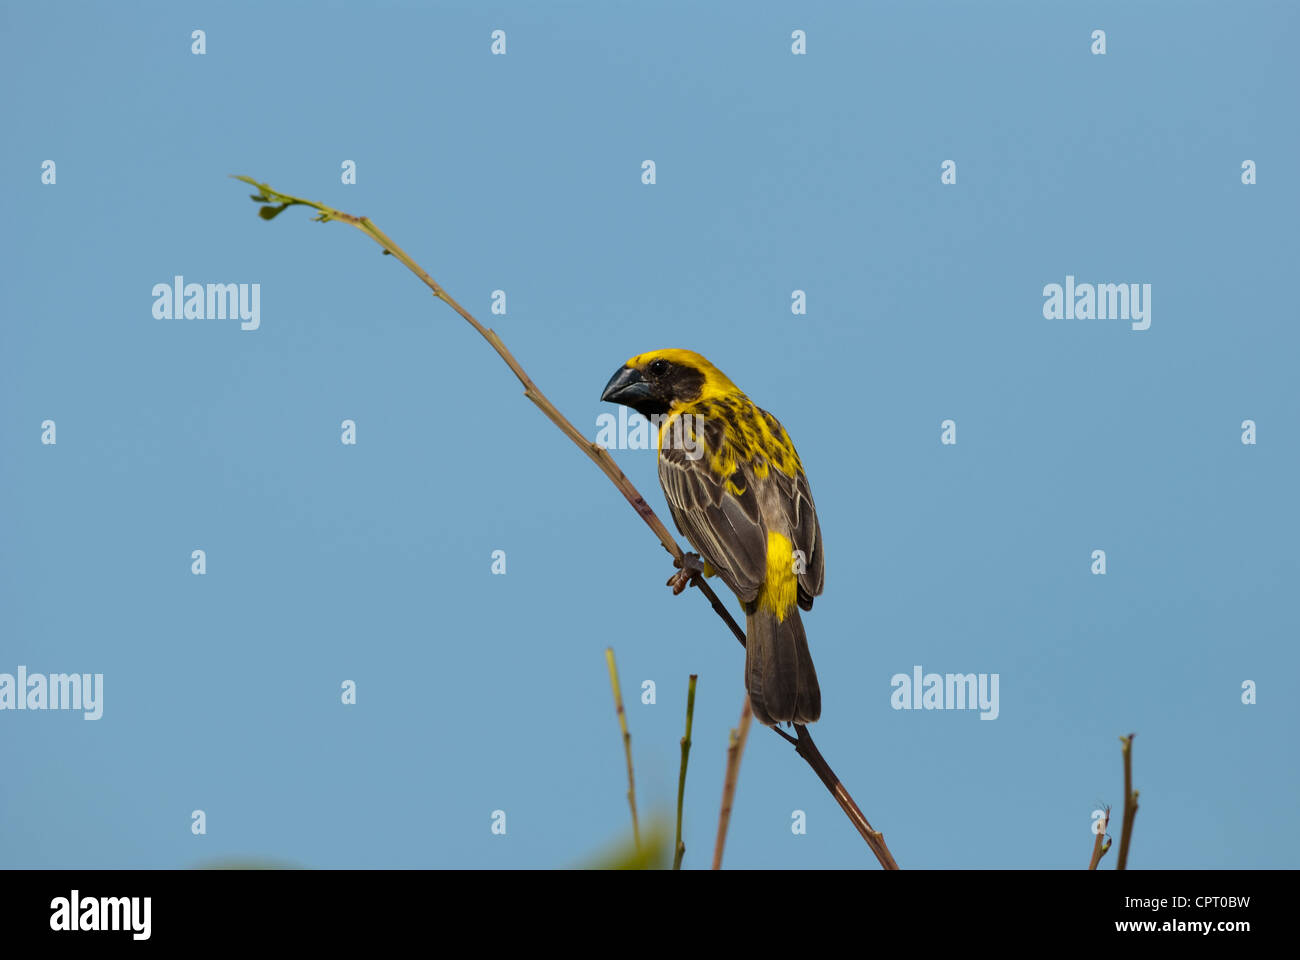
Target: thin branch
[(598, 454), (735, 750), (680, 848), (875, 839), (1130, 802), (627, 742), (275, 203), (1102, 842)]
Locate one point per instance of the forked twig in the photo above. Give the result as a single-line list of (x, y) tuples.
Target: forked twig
[(1101, 843)]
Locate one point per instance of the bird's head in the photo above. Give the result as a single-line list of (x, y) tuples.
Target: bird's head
[(662, 380)]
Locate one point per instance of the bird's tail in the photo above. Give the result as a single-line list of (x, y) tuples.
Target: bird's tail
[(779, 670)]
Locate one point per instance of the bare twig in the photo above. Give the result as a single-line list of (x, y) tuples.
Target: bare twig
[(627, 741), (1102, 842), (805, 747), (1130, 802), (276, 202), (735, 750), (680, 848)]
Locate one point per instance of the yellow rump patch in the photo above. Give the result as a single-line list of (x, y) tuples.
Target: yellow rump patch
[(779, 586)]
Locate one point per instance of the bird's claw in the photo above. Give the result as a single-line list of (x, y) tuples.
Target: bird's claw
[(690, 566)]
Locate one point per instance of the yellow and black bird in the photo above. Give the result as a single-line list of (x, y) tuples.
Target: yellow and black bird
[(738, 493)]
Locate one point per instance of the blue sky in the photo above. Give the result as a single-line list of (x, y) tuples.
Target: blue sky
[(774, 172)]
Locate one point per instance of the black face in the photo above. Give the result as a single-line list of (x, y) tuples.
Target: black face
[(655, 387)]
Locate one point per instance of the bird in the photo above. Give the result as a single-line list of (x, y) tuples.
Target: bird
[(737, 491)]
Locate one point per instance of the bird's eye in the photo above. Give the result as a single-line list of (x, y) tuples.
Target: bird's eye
[(659, 367)]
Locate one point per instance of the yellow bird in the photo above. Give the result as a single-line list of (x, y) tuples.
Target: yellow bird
[(738, 493)]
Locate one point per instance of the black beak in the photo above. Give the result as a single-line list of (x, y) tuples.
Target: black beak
[(627, 387)]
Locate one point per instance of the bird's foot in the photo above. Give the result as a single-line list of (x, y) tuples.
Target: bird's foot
[(690, 566)]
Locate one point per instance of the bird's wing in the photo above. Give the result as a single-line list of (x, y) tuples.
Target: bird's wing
[(724, 526), (808, 538), (786, 503)]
